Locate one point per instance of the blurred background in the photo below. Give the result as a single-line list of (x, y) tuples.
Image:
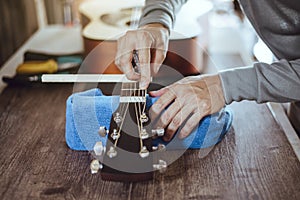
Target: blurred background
[(44, 25)]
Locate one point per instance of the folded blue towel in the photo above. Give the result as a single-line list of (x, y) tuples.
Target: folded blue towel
[(87, 111)]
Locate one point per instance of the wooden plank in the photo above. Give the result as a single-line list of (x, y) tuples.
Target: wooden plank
[(35, 161), (254, 161), (280, 116)]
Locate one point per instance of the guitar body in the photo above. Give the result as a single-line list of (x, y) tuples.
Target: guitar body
[(103, 23)]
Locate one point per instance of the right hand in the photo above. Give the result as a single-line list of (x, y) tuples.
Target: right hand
[(151, 42)]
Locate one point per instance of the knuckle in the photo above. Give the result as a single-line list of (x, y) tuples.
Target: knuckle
[(176, 121), (189, 125), (160, 56), (122, 62), (166, 118), (155, 110)]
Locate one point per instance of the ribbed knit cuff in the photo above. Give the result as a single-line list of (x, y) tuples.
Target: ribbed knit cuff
[(157, 16), (239, 84)]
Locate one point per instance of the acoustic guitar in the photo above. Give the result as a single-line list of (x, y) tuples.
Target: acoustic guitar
[(129, 154), (105, 21)]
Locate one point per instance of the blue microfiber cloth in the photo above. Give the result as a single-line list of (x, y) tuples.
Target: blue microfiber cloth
[(87, 111)]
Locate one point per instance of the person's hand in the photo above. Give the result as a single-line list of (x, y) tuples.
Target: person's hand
[(151, 42), (186, 102)]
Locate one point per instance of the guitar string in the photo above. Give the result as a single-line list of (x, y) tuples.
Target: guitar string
[(138, 123), (122, 121), (141, 123)]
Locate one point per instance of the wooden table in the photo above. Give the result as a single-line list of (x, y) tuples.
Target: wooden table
[(254, 161)]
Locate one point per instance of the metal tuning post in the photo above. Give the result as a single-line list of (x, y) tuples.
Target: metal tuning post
[(118, 119), (144, 134), (144, 118), (102, 131), (99, 148), (112, 152), (144, 152), (159, 147), (95, 166), (159, 132), (161, 166), (115, 135)]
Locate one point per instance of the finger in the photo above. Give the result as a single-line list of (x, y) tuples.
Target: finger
[(158, 93), (169, 114), (159, 57), (124, 56), (144, 59), (161, 103), (177, 121), (124, 64), (190, 124)]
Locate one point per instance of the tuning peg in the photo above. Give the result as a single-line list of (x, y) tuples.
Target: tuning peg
[(95, 166), (144, 134), (118, 118), (159, 147), (99, 148), (144, 118), (102, 131), (115, 135), (144, 152), (161, 166), (112, 152), (159, 132)]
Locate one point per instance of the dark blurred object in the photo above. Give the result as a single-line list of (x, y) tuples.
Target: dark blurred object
[(37, 56), (18, 23), (238, 10)]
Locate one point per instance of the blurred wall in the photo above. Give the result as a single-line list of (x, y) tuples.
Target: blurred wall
[(18, 22)]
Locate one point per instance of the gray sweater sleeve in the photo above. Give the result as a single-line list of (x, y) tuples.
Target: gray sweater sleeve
[(278, 82), (159, 11)]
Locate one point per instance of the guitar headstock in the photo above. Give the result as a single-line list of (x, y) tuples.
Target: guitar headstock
[(129, 154)]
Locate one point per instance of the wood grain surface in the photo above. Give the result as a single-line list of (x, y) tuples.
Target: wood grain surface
[(254, 161)]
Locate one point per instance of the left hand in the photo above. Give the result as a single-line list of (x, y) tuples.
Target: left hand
[(188, 101)]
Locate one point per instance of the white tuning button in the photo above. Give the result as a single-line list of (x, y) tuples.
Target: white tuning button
[(144, 152), (112, 152), (102, 131), (144, 118), (95, 166), (99, 148), (159, 132), (144, 134), (159, 147), (118, 118), (161, 166), (115, 135)]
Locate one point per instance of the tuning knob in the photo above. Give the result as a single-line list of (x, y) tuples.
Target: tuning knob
[(115, 135), (159, 147), (95, 166), (102, 131), (99, 148), (159, 132), (112, 152), (144, 118), (161, 166), (144, 134), (118, 119), (144, 152)]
